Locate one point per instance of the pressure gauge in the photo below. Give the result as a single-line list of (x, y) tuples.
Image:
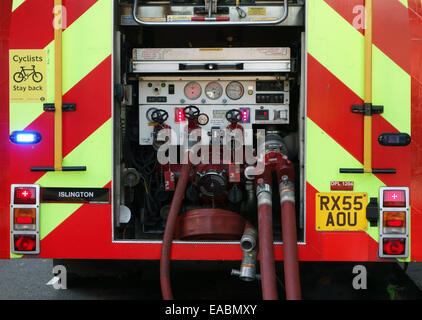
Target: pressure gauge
[(214, 90), (193, 90), (235, 90), (203, 119)]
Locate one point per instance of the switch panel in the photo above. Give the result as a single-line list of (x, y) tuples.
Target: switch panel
[(259, 101)]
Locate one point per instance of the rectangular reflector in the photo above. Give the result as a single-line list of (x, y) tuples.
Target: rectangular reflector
[(394, 198)]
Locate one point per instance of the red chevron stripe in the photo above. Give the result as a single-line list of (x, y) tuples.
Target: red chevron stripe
[(329, 106), (391, 33), (31, 25), (350, 10), (415, 6), (91, 107), (415, 18)]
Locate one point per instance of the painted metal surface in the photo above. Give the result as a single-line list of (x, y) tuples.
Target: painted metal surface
[(5, 13), (335, 82)]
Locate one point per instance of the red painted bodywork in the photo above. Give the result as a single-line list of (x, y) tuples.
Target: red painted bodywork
[(84, 235), (5, 9), (415, 19)]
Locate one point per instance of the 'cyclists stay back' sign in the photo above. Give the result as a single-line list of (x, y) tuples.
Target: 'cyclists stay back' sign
[(27, 75)]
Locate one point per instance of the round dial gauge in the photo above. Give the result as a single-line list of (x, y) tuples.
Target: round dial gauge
[(214, 90), (235, 90), (193, 90), (203, 119)]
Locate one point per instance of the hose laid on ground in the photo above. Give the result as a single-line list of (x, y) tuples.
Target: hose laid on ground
[(176, 203)]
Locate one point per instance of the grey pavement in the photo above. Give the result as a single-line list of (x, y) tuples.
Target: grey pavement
[(26, 279)]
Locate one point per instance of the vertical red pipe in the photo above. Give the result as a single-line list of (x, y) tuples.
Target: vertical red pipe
[(176, 203), (291, 264), (266, 252)]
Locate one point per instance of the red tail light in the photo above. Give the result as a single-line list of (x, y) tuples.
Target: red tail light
[(394, 198), (24, 213), (393, 246), (394, 223), (25, 195), (25, 242)]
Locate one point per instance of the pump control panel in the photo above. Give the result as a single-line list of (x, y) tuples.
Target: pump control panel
[(259, 100)]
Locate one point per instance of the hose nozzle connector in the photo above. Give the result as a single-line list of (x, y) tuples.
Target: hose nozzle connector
[(248, 240), (287, 190), (248, 267), (263, 193)]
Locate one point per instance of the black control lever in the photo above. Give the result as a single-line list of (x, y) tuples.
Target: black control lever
[(234, 116), (159, 116), (191, 112)]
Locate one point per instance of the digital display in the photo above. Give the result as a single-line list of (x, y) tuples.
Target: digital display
[(262, 114)]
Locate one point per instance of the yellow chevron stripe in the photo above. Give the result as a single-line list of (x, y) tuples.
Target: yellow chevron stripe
[(404, 2), (86, 43), (17, 3), (391, 87), (324, 158), (94, 153), (339, 47)]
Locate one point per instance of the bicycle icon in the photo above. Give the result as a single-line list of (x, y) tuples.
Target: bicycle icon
[(23, 75)]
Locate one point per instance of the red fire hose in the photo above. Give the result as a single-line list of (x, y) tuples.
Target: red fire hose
[(169, 230), (266, 246), (288, 219)]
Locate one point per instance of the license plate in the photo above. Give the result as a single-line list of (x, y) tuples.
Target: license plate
[(341, 211)]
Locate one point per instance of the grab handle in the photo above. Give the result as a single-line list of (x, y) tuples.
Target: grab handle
[(210, 22)]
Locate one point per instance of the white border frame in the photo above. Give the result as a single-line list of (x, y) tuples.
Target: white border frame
[(383, 235), (35, 232)]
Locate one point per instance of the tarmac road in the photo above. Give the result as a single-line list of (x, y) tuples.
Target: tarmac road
[(26, 279)]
